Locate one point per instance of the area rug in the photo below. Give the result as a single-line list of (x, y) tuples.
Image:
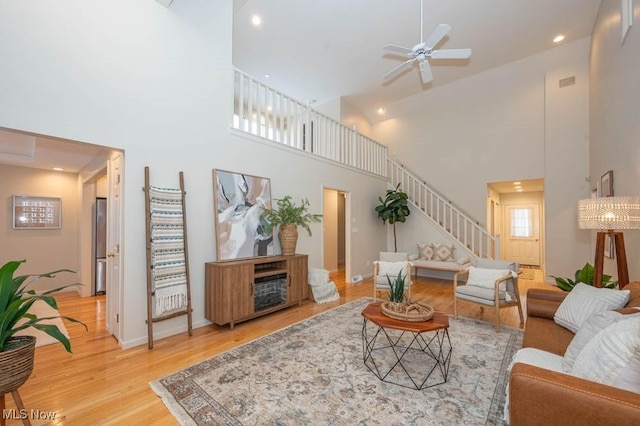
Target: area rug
[(313, 373), (41, 310)]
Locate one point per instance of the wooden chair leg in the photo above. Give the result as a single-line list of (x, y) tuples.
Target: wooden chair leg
[(2, 408), (20, 405), (497, 318)]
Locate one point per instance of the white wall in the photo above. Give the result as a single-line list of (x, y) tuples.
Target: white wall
[(614, 105), (157, 83), (491, 127), (566, 168), (45, 250)]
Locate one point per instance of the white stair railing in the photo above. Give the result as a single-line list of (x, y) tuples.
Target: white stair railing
[(265, 112), (451, 219)]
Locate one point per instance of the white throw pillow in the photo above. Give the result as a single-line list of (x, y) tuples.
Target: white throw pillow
[(392, 269), (591, 327), (612, 357), (486, 278), (584, 301)]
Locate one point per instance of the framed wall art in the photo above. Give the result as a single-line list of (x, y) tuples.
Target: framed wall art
[(36, 212), (606, 184), (240, 231)]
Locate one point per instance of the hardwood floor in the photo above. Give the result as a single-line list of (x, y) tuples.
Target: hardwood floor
[(102, 384)]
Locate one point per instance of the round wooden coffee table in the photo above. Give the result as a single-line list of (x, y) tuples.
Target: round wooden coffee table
[(411, 354)]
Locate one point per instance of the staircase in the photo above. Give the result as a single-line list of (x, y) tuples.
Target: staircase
[(450, 219), (261, 111)]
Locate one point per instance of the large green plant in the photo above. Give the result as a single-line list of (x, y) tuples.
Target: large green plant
[(15, 301), (393, 208), (286, 212), (396, 288), (584, 275)]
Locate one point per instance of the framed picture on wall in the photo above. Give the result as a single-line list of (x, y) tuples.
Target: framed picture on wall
[(606, 184), (240, 229), (36, 212)]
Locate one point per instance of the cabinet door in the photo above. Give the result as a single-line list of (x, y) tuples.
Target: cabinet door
[(298, 280), (240, 279)]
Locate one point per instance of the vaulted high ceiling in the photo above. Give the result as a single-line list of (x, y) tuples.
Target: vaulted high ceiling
[(323, 50)]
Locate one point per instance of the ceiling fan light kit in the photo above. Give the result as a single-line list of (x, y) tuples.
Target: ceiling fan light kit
[(424, 51)]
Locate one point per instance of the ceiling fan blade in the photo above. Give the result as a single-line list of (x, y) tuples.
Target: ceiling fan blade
[(398, 69), (437, 35), (397, 49), (451, 54), (425, 72)]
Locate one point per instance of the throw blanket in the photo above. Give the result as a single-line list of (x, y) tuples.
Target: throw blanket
[(167, 250)]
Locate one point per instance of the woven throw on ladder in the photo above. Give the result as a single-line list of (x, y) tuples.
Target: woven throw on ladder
[(168, 250)]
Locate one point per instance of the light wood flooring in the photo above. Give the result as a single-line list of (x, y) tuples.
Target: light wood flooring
[(101, 384)]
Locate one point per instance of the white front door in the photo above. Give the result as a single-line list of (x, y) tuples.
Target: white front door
[(114, 247), (522, 231)]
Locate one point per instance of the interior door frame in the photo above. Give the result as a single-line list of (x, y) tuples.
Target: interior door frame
[(115, 246), (347, 230)]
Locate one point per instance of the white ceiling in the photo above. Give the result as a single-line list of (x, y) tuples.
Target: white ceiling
[(326, 49), (323, 50), (24, 150)]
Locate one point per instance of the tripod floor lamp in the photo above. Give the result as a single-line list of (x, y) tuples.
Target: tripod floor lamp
[(608, 214)]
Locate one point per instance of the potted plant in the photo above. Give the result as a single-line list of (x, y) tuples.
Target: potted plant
[(396, 288), (585, 276), (16, 352), (288, 216), (393, 208)]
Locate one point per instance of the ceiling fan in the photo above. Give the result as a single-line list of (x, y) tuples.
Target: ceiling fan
[(424, 51)]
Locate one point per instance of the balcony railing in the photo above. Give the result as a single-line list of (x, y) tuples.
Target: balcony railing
[(265, 112)]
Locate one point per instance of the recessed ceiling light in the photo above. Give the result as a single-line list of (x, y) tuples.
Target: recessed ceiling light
[(256, 20), (267, 76), (58, 169), (558, 38), (269, 108), (381, 110)]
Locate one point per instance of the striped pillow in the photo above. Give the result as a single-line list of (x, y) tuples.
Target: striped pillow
[(584, 301)]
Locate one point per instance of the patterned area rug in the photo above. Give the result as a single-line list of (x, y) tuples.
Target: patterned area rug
[(313, 372)]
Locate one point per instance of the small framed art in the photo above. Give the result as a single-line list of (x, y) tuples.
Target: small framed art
[(36, 212), (606, 184)]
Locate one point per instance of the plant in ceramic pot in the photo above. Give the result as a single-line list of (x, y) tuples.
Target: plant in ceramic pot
[(393, 208), (16, 352), (585, 276), (288, 216)]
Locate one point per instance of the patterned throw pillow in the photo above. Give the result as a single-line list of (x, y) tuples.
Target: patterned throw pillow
[(425, 251), (443, 252)]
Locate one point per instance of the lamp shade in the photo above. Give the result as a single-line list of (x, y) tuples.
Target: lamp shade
[(609, 213)]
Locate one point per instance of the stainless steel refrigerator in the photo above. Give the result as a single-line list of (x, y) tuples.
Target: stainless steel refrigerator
[(101, 245)]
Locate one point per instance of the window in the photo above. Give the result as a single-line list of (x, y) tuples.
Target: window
[(521, 225)]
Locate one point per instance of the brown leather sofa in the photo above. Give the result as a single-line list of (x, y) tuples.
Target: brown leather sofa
[(543, 397)]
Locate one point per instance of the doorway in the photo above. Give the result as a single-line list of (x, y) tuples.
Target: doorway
[(335, 206), (88, 163), (515, 214)]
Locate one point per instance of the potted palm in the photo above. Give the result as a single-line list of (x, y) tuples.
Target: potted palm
[(16, 352), (393, 208), (288, 216)]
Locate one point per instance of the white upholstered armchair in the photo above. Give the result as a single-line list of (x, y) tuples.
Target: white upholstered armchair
[(390, 264), (490, 283)]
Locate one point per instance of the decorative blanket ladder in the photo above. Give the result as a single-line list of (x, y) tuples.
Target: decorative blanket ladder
[(168, 288)]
